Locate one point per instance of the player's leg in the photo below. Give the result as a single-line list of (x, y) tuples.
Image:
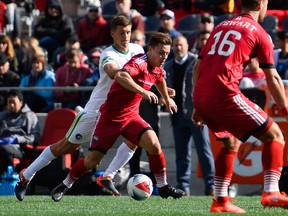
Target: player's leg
[(124, 153), (80, 131), (149, 141), (272, 160), (224, 169), (82, 166)]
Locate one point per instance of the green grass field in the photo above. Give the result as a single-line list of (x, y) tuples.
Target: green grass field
[(124, 205)]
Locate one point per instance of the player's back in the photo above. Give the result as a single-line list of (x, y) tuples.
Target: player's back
[(228, 50), (110, 55)]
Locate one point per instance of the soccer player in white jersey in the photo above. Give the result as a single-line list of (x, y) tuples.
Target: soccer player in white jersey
[(111, 59)]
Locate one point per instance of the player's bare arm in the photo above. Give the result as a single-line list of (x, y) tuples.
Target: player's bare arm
[(276, 88), (196, 71), (111, 70), (125, 80), (169, 102)]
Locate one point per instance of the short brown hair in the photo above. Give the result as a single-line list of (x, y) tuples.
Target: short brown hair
[(159, 38), (120, 21), (249, 4), (71, 53)]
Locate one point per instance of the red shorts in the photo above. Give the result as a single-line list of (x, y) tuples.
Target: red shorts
[(236, 116), (107, 132)]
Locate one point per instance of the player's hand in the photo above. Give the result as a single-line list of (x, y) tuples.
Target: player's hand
[(171, 92), (150, 96), (197, 120), (171, 105)]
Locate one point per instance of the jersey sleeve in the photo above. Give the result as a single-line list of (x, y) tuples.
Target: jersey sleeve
[(132, 67), (264, 51)]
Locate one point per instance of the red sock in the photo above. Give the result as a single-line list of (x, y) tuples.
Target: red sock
[(158, 167), (78, 169), (272, 156), (224, 163)]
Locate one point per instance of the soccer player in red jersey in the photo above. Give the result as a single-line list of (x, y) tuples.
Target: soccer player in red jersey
[(119, 115), (232, 117)]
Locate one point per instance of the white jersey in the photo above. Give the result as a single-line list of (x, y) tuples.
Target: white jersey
[(84, 123), (108, 56)]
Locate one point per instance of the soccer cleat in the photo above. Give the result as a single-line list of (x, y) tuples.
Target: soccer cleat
[(107, 183), (21, 186), (169, 190), (58, 192), (274, 199), (225, 207)]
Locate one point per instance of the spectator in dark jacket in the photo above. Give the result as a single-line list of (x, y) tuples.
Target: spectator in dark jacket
[(7, 78), (53, 29), (18, 127)]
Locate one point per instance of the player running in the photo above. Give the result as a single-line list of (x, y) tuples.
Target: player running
[(228, 113)]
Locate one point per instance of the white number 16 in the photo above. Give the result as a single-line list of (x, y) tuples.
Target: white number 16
[(224, 42)]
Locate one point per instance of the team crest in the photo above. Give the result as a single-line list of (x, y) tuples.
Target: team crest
[(78, 136)]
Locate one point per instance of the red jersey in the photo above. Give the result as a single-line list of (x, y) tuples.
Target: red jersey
[(122, 104), (228, 50)]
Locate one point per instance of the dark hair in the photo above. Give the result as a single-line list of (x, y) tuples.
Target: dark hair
[(120, 21), (159, 38), (249, 4), (71, 53), (282, 35), (15, 93)]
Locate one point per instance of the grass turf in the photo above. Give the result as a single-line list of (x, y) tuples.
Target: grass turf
[(124, 205)]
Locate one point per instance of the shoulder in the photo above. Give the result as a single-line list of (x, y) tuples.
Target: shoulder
[(135, 48)]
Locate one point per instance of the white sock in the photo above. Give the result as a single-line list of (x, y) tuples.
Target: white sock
[(271, 179), (41, 161), (69, 181), (123, 155)]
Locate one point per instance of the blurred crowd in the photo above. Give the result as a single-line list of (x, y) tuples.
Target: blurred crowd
[(64, 51)]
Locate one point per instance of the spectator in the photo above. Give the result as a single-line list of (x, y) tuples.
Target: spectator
[(124, 8), (18, 127), (6, 47), (281, 55), (39, 76), (179, 72), (93, 30), (167, 23), (73, 74), (201, 39), (206, 24), (59, 58), (7, 78), (30, 48), (53, 29)]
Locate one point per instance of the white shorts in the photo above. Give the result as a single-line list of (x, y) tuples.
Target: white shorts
[(82, 128)]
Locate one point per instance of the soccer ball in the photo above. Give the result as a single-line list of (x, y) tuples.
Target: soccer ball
[(139, 187)]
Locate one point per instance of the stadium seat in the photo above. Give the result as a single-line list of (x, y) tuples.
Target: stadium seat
[(57, 123), (221, 18), (152, 23), (109, 8), (270, 23), (189, 23), (285, 24)]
